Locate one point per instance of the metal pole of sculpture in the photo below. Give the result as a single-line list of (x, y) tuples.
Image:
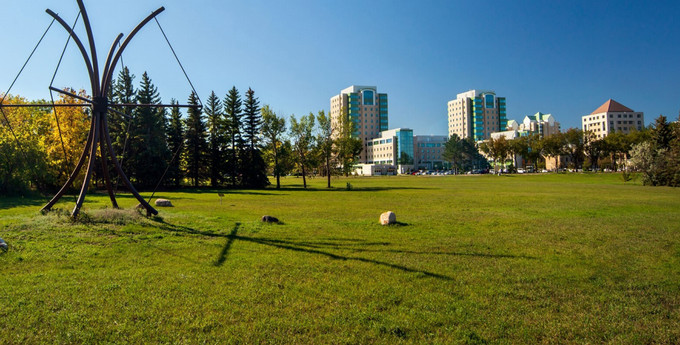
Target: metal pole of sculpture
[(99, 130)]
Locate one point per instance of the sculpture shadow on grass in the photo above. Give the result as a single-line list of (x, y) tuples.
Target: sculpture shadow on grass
[(19, 201), (344, 189), (323, 248)]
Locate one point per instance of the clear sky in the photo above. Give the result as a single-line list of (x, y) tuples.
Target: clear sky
[(559, 57)]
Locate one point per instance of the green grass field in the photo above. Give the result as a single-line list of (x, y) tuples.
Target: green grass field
[(530, 259)]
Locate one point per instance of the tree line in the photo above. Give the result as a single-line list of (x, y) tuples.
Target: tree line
[(653, 151), (233, 142), (583, 150), (658, 157)]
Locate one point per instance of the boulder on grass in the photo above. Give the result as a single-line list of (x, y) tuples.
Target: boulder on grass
[(388, 218), (163, 203), (3, 245), (270, 219)]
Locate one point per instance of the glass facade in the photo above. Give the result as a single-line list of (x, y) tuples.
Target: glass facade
[(502, 117), (382, 111), (405, 147), (490, 101), (477, 119), (368, 97), (353, 113)]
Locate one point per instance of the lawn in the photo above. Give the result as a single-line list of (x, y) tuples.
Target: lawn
[(526, 259)]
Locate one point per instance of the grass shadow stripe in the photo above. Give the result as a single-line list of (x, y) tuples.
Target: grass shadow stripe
[(227, 246)]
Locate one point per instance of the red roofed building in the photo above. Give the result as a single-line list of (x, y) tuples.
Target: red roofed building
[(610, 117)]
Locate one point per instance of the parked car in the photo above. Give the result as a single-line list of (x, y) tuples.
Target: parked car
[(520, 171)]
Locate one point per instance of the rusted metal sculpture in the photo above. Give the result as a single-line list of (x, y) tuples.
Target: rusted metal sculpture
[(99, 130)]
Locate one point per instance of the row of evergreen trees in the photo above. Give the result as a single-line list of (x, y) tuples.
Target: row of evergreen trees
[(219, 144), (229, 142)]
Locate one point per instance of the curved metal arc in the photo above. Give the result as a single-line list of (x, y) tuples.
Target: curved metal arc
[(83, 52), (108, 61), (75, 172), (105, 166), (93, 50), (110, 67), (105, 128), (90, 165)]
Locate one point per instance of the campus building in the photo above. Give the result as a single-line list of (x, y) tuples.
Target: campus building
[(544, 125), (365, 108), (476, 114), (398, 151), (612, 116), (428, 151)]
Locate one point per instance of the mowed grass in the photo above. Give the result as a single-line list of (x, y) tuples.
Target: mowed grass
[(534, 259)]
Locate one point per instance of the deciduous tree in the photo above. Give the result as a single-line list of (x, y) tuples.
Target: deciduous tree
[(273, 130), (303, 141), (324, 140)]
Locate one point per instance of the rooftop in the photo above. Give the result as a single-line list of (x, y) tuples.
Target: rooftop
[(611, 106)]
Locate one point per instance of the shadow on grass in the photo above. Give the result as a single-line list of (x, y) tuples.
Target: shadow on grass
[(357, 242), (19, 201), (344, 189), (225, 250), (225, 191), (321, 247)]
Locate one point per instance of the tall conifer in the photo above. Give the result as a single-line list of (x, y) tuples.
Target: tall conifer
[(148, 149), (232, 116), (122, 91), (176, 145), (255, 171), (217, 140), (196, 145)]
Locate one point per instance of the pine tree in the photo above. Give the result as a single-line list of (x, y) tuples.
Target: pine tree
[(252, 120), (232, 123), (662, 133), (175, 144), (217, 139), (148, 149), (122, 91), (254, 169), (196, 145)]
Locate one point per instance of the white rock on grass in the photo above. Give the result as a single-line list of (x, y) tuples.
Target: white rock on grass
[(163, 203), (388, 218)]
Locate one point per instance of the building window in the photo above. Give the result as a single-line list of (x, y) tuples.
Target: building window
[(368, 97), (490, 101)]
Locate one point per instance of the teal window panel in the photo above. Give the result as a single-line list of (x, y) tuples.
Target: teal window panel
[(368, 97)]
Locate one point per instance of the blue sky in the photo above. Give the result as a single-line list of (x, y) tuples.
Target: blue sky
[(559, 57)]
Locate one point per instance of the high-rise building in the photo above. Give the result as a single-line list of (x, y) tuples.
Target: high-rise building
[(477, 114), (612, 116), (365, 108)]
